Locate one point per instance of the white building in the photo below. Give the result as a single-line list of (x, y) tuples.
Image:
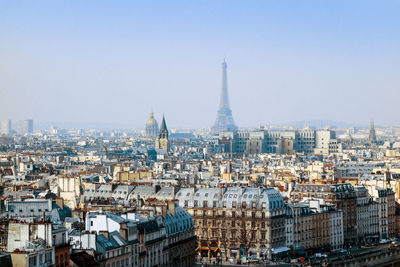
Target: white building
[(102, 226), (367, 216), (385, 199), (336, 228), (326, 142)]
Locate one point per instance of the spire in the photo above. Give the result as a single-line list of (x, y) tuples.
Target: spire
[(163, 126)]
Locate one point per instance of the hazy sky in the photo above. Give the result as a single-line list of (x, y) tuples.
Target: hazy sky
[(112, 62)]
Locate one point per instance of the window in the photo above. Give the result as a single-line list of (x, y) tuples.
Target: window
[(91, 223), (48, 257)]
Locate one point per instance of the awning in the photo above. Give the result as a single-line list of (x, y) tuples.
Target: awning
[(280, 250)]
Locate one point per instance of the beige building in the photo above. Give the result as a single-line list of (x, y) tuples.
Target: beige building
[(236, 222)]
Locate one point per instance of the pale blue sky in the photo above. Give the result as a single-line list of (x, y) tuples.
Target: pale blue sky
[(112, 62)]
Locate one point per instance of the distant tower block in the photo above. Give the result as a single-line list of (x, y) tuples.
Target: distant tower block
[(224, 121), (372, 133)]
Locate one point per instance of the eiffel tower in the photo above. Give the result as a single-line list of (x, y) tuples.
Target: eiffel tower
[(224, 121)]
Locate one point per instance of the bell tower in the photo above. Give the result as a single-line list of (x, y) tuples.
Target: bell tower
[(162, 139)]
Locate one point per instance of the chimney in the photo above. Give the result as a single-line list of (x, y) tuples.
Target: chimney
[(171, 207), (123, 231), (164, 210), (60, 202), (174, 190), (105, 233)]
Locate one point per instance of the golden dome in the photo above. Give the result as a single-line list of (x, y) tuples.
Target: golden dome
[(151, 120)]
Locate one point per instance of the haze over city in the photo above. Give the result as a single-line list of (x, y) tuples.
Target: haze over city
[(108, 64), (199, 133)]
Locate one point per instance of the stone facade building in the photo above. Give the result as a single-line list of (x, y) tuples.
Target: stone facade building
[(236, 222)]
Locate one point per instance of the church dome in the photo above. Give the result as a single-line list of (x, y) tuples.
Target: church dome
[(151, 127), (151, 120)]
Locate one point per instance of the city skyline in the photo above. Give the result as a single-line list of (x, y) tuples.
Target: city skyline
[(199, 133), (111, 64)]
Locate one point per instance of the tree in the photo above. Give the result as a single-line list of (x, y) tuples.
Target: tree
[(247, 235), (223, 239)]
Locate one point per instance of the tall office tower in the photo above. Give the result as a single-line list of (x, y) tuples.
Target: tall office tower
[(6, 127), (372, 133), (224, 121), (151, 127), (25, 127)]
